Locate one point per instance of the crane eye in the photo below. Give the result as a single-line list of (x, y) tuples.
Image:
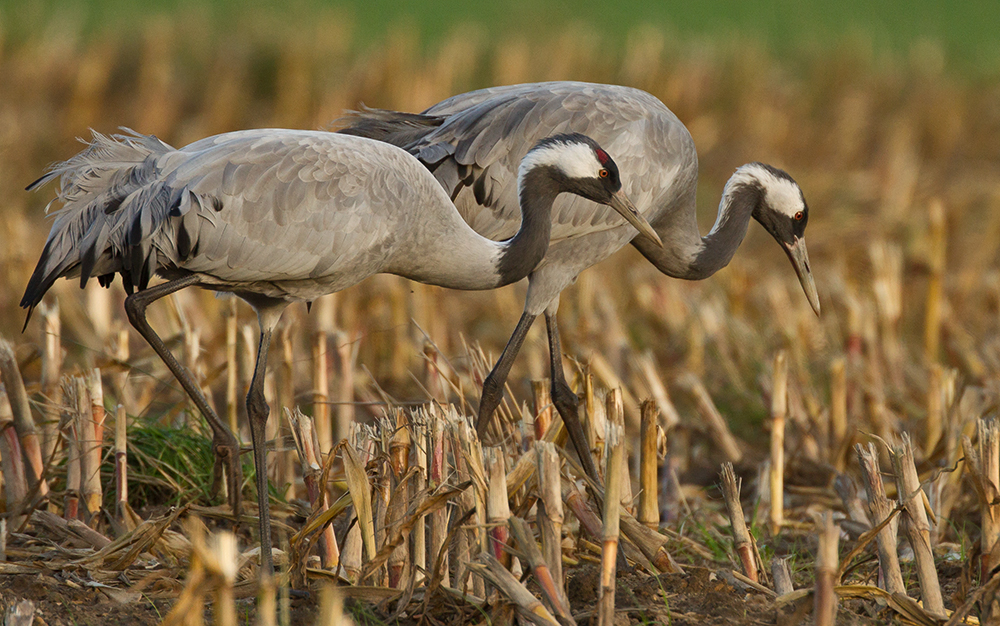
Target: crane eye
[(799, 215), (604, 173)]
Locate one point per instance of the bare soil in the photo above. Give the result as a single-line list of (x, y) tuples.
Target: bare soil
[(700, 596)]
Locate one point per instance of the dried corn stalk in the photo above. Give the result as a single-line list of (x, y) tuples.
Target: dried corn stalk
[(879, 509), (649, 505), (612, 511), (24, 424), (779, 409), (911, 498), (741, 536)]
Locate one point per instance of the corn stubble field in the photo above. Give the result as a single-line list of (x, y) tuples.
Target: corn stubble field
[(897, 158)]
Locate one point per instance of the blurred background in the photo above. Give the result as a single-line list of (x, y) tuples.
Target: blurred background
[(887, 115)]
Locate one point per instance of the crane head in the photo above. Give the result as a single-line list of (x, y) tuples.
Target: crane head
[(783, 212), (578, 165)]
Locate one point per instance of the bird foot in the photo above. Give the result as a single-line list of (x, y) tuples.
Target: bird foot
[(226, 449)]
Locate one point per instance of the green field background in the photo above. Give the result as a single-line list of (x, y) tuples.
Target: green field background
[(966, 31)]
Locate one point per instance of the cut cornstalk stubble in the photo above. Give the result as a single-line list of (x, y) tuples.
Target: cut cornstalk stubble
[(420, 482), (51, 367), (71, 391), (14, 481), (880, 508), (399, 461), (779, 409), (92, 490), (825, 601), (649, 505), (911, 498), (438, 475), (983, 466), (497, 505), (121, 465), (615, 440), (24, 424), (361, 494), (550, 510), (527, 604), (307, 446), (782, 577), (544, 576), (741, 536)]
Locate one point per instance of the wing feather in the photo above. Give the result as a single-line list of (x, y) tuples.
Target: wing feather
[(474, 142), (253, 205)]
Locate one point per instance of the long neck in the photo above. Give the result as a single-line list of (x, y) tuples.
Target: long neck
[(460, 258), (521, 253), (688, 255)]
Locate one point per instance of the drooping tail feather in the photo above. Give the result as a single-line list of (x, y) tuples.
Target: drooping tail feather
[(93, 186)]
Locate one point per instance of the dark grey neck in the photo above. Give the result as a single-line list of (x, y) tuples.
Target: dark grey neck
[(689, 256), (527, 248), (719, 246)]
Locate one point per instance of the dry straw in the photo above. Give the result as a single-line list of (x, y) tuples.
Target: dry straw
[(649, 463), (741, 535), (779, 409), (880, 510), (912, 500), (893, 294), (614, 467)]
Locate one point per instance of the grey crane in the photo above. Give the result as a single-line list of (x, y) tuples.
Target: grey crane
[(473, 141), (276, 216)]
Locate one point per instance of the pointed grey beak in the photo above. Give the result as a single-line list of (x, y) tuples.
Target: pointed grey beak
[(797, 254), (620, 202)]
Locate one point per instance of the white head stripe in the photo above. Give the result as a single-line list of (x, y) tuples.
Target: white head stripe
[(575, 159), (782, 194)]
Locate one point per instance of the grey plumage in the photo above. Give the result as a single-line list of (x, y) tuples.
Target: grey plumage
[(277, 216), (288, 214), (472, 143)]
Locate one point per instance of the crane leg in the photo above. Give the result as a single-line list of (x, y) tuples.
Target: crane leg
[(568, 406), (224, 444), (566, 401), (257, 413), (494, 383)]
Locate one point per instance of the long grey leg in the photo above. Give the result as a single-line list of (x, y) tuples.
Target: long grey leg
[(493, 385), (568, 406), (224, 444), (257, 413), (566, 401)]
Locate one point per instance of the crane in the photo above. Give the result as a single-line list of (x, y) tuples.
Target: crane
[(276, 216), (472, 143)]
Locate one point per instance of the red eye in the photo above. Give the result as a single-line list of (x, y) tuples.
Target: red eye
[(604, 173), (799, 215)]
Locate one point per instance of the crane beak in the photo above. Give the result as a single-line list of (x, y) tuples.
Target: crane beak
[(797, 254), (620, 202)]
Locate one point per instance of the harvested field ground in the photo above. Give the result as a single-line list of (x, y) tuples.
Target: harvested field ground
[(897, 156)]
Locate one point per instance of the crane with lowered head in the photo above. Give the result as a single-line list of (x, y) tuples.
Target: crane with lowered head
[(278, 216), (472, 143)]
